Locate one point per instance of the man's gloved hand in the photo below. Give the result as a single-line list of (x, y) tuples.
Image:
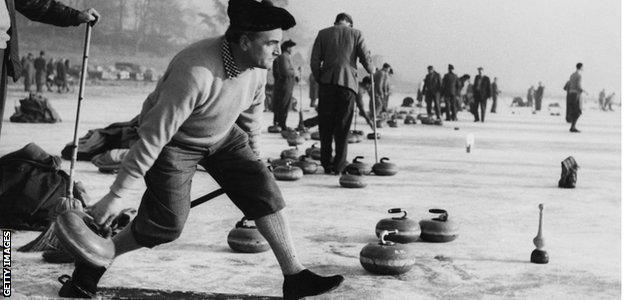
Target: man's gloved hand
[(89, 15)]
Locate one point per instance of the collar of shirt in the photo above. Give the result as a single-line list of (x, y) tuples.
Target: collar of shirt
[(231, 70)]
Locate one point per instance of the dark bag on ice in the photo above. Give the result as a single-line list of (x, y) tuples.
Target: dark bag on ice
[(568, 173), (35, 109), (31, 186)]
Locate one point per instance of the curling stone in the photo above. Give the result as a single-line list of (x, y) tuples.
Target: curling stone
[(363, 168), (393, 123), (409, 120), (351, 178), (539, 255), (287, 172), (295, 140), (386, 258), (275, 129), (280, 162), (314, 152), (306, 164), (379, 123), (85, 240), (384, 168), (246, 238), (315, 136), (371, 136), (288, 133), (438, 230), (407, 229), (292, 153), (353, 138), (305, 133)]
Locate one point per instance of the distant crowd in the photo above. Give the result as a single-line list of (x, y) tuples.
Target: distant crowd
[(41, 71)]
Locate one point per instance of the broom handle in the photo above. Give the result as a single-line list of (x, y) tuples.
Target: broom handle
[(374, 114), (74, 157), (207, 197)]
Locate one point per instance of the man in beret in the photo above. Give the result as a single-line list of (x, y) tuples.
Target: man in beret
[(206, 110), (481, 90), (450, 88), (284, 75), (334, 65), (44, 11), (431, 90)]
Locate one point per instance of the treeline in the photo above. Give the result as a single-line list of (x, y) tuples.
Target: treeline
[(132, 26)]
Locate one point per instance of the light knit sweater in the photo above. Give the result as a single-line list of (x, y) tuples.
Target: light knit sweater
[(194, 103)]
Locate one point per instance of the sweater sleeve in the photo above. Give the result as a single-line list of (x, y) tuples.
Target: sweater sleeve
[(174, 100), (249, 119), (49, 12)]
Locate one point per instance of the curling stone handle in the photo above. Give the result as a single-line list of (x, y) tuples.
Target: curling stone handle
[(383, 159), (243, 223), (443, 214), (355, 160), (351, 170), (398, 210), (383, 234)]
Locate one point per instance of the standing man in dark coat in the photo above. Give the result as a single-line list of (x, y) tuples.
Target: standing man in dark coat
[(28, 67), (40, 71), (334, 66), (481, 92), (495, 92), (530, 96), (50, 71), (45, 11), (450, 90), (573, 98), (284, 74), (539, 95), (431, 90)]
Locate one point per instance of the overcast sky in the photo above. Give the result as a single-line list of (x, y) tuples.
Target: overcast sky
[(519, 41)]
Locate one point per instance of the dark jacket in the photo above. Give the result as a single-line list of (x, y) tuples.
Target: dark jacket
[(450, 84), (335, 54), (44, 11), (284, 72), (482, 87), (432, 84)]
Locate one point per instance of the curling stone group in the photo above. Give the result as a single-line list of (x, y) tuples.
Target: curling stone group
[(293, 165), (391, 255)]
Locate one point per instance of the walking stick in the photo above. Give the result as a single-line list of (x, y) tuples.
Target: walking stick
[(74, 146), (374, 115)]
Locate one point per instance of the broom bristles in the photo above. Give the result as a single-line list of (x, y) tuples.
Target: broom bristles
[(47, 240)]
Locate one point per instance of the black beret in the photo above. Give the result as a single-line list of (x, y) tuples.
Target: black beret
[(451, 67), (430, 68), (251, 15)]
